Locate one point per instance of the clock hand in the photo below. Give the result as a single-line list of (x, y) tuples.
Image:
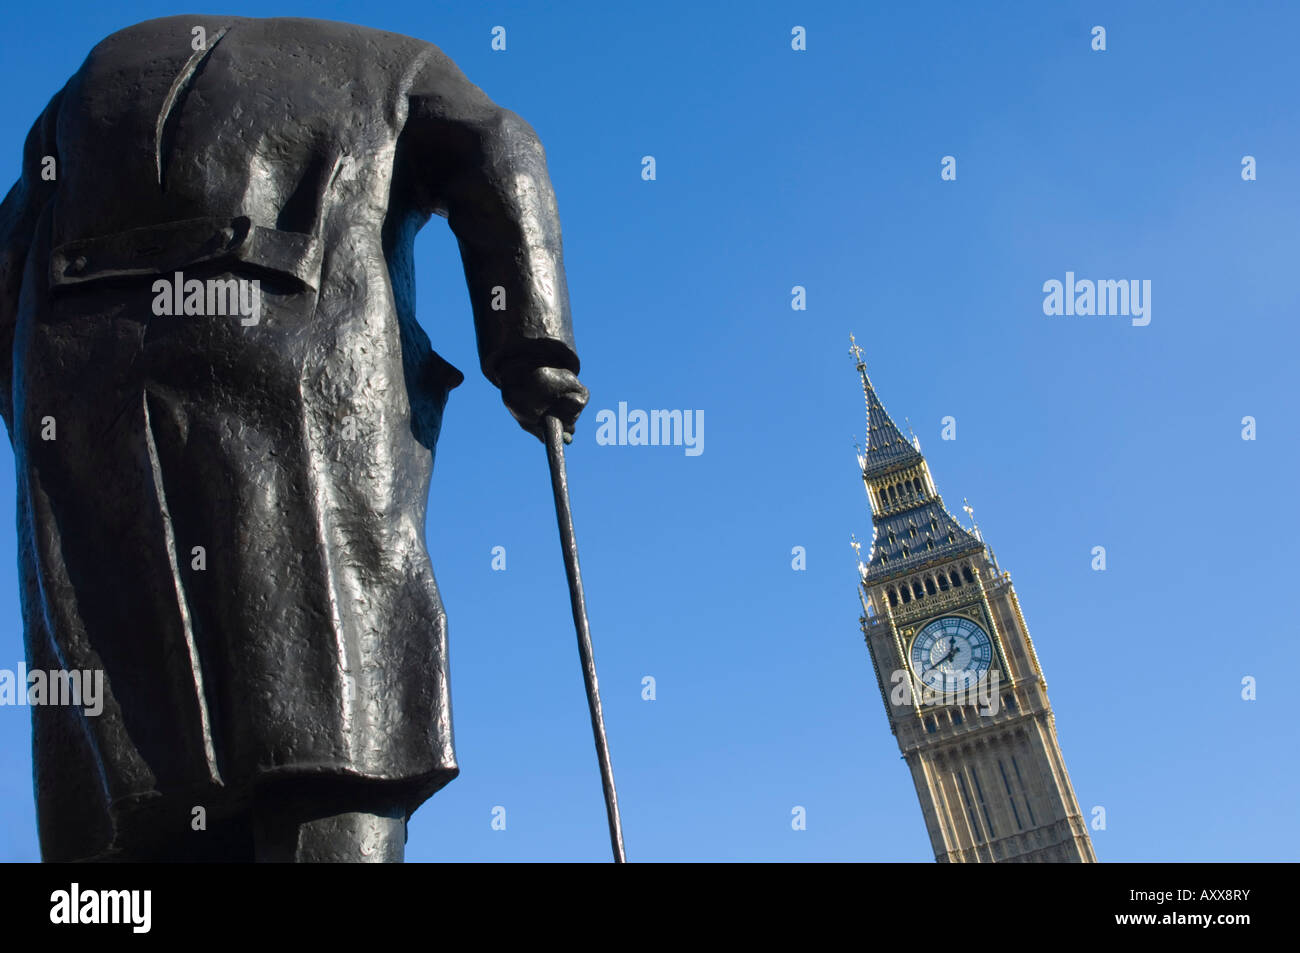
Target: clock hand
[(952, 650), (951, 653)]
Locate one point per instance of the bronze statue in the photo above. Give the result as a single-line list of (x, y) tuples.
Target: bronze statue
[(224, 413)]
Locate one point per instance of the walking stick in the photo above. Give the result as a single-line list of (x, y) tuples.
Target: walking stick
[(555, 438)]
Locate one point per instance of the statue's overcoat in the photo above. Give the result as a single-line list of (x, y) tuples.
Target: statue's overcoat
[(225, 513)]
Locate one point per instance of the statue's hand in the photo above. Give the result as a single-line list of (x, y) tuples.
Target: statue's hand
[(544, 391)]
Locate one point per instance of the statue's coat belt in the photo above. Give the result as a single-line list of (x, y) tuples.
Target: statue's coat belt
[(162, 249)]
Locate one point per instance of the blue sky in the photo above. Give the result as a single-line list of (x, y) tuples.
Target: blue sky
[(821, 168)]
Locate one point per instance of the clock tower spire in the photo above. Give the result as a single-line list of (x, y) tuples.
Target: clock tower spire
[(961, 684)]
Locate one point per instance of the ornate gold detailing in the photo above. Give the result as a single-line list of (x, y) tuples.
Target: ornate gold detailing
[(936, 604), (909, 497)]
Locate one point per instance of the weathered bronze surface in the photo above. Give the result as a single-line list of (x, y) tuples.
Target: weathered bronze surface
[(222, 505)]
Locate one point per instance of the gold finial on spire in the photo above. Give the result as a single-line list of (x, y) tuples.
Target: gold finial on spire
[(855, 350)]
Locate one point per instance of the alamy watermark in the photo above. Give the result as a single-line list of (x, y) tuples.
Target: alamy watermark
[(55, 687), (655, 428), (239, 297), (1105, 296), (906, 690), (133, 908)]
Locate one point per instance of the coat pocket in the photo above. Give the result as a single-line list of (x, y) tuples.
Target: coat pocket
[(174, 246)]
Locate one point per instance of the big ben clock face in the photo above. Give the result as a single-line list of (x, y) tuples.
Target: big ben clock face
[(951, 654)]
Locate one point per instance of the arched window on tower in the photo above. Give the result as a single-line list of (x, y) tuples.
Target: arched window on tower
[(966, 574), (917, 590), (893, 596), (944, 584), (907, 596), (929, 585), (956, 579)]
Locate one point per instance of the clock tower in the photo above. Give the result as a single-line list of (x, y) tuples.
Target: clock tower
[(962, 687)]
